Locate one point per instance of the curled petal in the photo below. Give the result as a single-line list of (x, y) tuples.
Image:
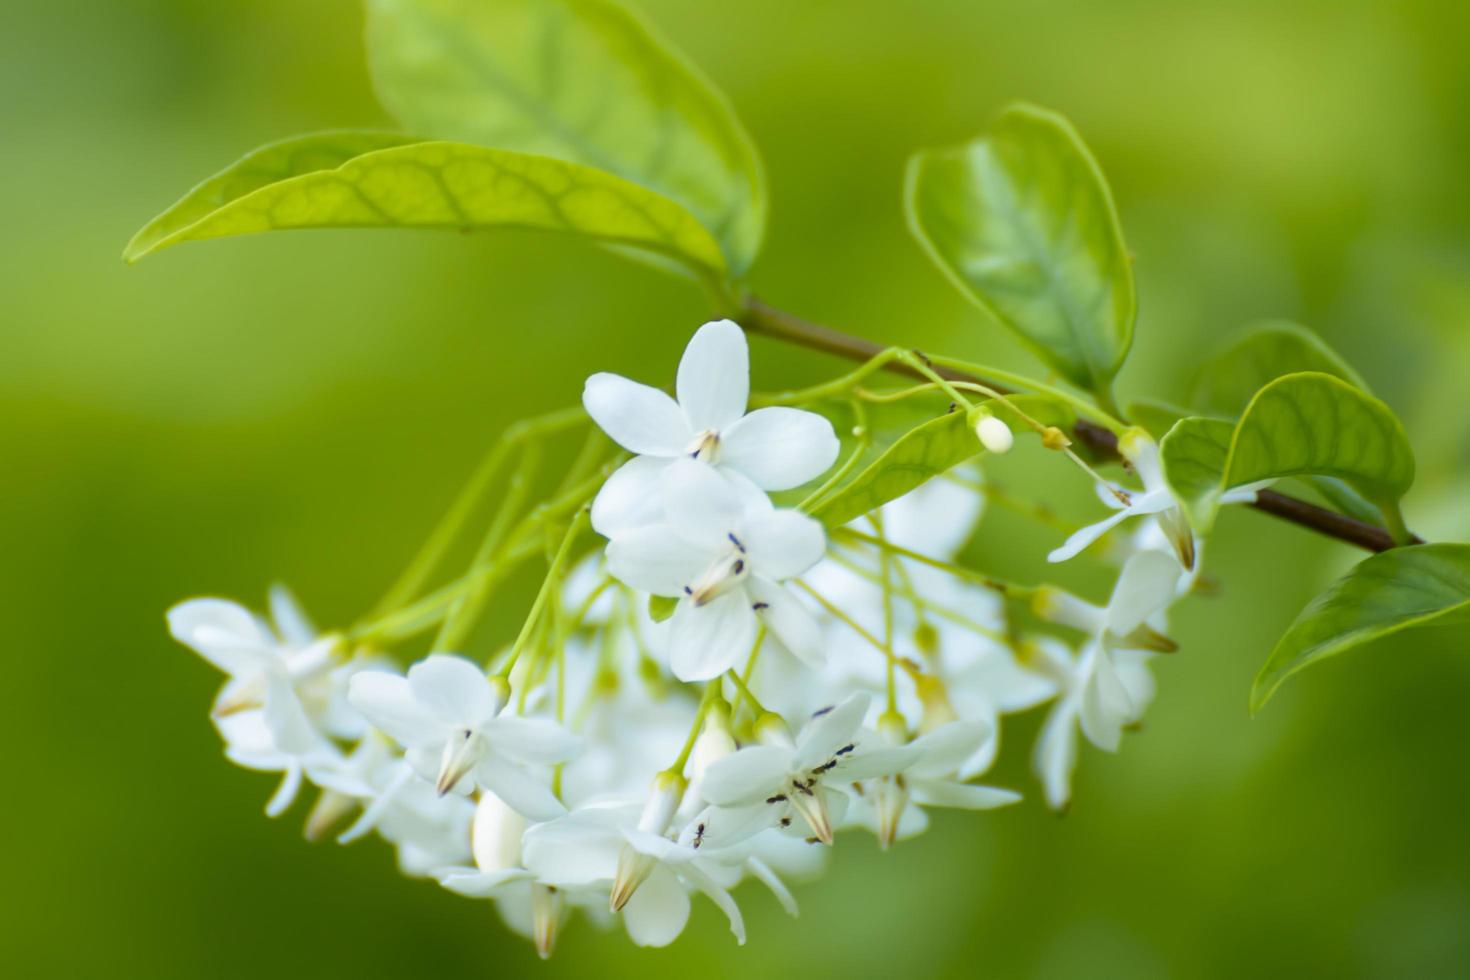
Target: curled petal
[(658, 910)]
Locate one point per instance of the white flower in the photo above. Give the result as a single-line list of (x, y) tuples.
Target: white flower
[(774, 448), (446, 714), (722, 553), (590, 847), (1107, 686), (529, 906), (891, 806), (773, 782), (1156, 500)]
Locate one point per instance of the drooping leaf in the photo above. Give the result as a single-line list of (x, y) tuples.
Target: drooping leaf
[(1389, 592), (1193, 455), (270, 164), (1260, 355), (918, 456), (580, 80), (428, 185), (1023, 222), (1316, 424), (661, 607)]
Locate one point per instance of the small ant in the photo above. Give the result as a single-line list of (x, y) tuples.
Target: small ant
[(846, 749), (778, 798), (698, 836), (785, 822)]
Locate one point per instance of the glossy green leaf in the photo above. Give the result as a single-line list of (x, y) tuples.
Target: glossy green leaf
[(1317, 424), (1393, 591), (918, 456), (1344, 498), (270, 164), (1260, 355), (1193, 455), (428, 185), (580, 80), (1023, 222)]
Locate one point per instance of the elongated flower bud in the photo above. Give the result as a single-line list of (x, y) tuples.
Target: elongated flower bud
[(994, 434)]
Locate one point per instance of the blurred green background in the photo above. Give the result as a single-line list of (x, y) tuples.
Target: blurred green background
[(302, 406)]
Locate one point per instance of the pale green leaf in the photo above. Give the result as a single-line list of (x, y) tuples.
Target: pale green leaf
[(1156, 416), (1193, 455), (916, 457), (1023, 222), (1393, 591), (432, 185), (1260, 355), (661, 607), (580, 80), (270, 164), (1316, 424)]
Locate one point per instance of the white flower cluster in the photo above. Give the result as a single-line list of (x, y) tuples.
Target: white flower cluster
[(796, 687)]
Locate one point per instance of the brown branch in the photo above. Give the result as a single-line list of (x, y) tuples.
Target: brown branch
[(761, 318)]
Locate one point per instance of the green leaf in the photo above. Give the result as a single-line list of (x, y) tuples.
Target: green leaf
[(661, 607), (580, 80), (919, 455), (1260, 355), (1193, 455), (1343, 497), (1157, 417), (1022, 221), (1312, 423), (1397, 590), (426, 185)]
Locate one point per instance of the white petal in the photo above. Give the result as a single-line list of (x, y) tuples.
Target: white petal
[(632, 497), (1106, 706), (705, 505), (938, 517), (830, 731), (658, 910), (782, 544), (286, 718), (656, 559), (386, 700), (534, 740), (714, 377), (877, 762), (705, 641), (291, 622), (1083, 537), (720, 897), (222, 632), (518, 788), (454, 689), (285, 794), (480, 884), (943, 750), (1145, 586), (1055, 755), (641, 419), (747, 777), (790, 621), (572, 851), (763, 873), (780, 448), (964, 796)]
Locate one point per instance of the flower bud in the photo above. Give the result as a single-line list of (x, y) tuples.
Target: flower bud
[(770, 729), (663, 799), (495, 835), (994, 434), (926, 639), (714, 743), (1054, 438)]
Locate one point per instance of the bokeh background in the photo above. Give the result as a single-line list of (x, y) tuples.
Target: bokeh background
[(300, 407)]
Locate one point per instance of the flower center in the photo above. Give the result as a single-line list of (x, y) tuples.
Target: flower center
[(724, 574), (705, 446)]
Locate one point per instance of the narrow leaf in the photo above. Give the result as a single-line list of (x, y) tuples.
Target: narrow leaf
[(1312, 423), (1260, 355), (1193, 455), (430, 185), (1022, 221), (1393, 591), (580, 80), (918, 456)]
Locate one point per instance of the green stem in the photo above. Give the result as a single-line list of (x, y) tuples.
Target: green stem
[(711, 694), (864, 440), (552, 580), (744, 691), (959, 571)]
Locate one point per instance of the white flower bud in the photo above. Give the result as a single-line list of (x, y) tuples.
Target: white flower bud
[(994, 434)]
